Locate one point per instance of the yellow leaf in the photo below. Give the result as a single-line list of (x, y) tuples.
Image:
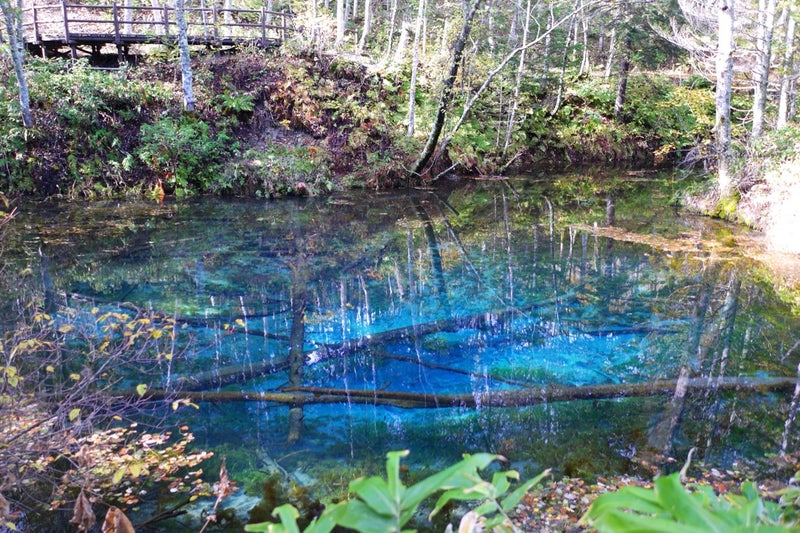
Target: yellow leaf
[(135, 469), (75, 377), (66, 328), (118, 475), (240, 322), (50, 368), (141, 388), (156, 333), (73, 414)]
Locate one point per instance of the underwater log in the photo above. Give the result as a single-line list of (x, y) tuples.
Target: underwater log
[(500, 398)]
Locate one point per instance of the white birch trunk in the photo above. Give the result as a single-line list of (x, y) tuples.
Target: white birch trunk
[(12, 16), (788, 72), (612, 44), (766, 24), (186, 64), (722, 126), (512, 115), (339, 23), (367, 28), (402, 44), (390, 38), (412, 91)]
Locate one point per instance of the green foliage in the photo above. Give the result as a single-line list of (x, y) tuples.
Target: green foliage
[(669, 507), (386, 505), (279, 171), (184, 153)]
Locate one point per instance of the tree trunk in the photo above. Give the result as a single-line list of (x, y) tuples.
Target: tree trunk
[(367, 28), (186, 63), (12, 16), (766, 24), (447, 91), (564, 58), (722, 126), (412, 90), (585, 65), (339, 23), (473, 400), (402, 44), (788, 71), (612, 44), (297, 356), (622, 84), (390, 36), (512, 114)]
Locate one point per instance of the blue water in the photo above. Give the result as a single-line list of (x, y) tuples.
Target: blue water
[(467, 290)]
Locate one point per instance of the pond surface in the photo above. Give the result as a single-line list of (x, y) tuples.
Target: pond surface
[(500, 316)]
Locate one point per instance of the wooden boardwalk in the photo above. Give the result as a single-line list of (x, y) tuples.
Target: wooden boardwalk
[(52, 28)]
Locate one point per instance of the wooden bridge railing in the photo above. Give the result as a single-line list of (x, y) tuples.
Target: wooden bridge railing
[(48, 26)]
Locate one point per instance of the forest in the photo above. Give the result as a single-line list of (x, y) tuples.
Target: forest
[(425, 169)]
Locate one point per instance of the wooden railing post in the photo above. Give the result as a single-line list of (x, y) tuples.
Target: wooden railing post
[(115, 16), (64, 19), (166, 19), (67, 39), (214, 17), (35, 11), (284, 27), (263, 27)]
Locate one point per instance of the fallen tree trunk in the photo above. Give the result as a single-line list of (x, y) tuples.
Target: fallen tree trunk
[(500, 398)]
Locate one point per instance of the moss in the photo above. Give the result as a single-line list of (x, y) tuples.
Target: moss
[(725, 207)]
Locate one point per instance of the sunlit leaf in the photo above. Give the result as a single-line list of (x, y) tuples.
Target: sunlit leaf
[(116, 522), (73, 414), (141, 388), (118, 475)]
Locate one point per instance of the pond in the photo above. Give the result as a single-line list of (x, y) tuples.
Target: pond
[(547, 318)]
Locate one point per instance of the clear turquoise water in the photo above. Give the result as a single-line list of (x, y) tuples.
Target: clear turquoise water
[(481, 289)]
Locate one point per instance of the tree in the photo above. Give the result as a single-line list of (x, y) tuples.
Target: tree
[(447, 89), (12, 16), (789, 77), (724, 71), (412, 90), (766, 23), (186, 62)]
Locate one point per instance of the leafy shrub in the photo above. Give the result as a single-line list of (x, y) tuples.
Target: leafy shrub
[(669, 507), (184, 153), (279, 171), (386, 505)]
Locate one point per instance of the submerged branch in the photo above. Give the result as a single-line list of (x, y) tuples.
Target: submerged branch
[(241, 373)]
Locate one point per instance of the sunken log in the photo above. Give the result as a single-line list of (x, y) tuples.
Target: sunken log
[(501, 398)]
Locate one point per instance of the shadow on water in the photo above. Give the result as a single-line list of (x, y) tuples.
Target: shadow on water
[(527, 317)]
